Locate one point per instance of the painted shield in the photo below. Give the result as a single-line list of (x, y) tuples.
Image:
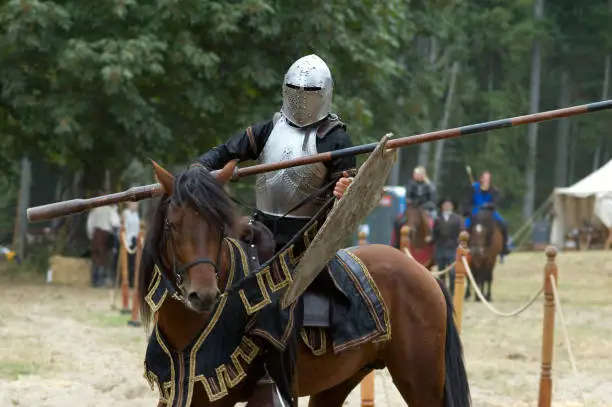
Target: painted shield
[(347, 213)]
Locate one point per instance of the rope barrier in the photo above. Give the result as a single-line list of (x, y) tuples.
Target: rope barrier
[(437, 274), (552, 306), (568, 345), (488, 305)]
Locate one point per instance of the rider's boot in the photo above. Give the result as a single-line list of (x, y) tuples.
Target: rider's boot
[(265, 394), (504, 231)]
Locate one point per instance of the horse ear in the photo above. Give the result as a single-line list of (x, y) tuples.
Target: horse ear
[(164, 177), (225, 174)]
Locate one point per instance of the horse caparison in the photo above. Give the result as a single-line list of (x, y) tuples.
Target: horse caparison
[(424, 354), (485, 243)]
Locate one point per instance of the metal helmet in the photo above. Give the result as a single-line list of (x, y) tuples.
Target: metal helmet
[(307, 91)]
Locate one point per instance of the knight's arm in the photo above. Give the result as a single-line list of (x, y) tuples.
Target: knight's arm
[(246, 145), (337, 139)]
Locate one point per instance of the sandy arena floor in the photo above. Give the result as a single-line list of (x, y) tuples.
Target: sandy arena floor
[(62, 346)]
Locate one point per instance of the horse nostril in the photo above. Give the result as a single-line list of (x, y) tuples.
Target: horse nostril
[(193, 298)]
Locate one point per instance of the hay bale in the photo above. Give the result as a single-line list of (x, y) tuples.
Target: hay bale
[(70, 270)]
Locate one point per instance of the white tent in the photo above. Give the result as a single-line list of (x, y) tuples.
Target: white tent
[(589, 199)]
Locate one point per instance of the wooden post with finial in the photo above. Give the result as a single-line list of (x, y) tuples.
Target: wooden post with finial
[(460, 273), (545, 393), (367, 384), (123, 267), (135, 321), (404, 237)]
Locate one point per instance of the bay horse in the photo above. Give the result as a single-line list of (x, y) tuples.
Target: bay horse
[(423, 354), (486, 243), (420, 227)]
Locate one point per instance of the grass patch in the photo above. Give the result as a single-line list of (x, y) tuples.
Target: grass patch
[(12, 370), (105, 319)]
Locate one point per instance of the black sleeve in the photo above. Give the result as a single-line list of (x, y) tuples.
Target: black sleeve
[(410, 191), (337, 139), (458, 223), (244, 146), (436, 229)]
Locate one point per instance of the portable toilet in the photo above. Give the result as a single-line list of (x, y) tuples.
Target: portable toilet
[(379, 223)]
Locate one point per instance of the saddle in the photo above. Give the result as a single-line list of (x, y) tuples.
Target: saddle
[(258, 242)]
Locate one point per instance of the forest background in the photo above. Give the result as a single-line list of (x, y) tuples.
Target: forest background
[(90, 91)]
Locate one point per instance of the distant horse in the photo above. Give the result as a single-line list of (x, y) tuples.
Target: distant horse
[(189, 247), (420, 227), (485, 245)]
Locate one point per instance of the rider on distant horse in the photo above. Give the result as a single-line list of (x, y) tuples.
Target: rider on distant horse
[(304, 126), (421, 192), (483, 193)]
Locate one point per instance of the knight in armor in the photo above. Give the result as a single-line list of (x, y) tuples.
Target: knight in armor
[(483, 193), (304, 126), (420, 192)]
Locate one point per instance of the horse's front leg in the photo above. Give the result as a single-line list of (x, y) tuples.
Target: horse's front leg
[(489, 285), (480, 283)]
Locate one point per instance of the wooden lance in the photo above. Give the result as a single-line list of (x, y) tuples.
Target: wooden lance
[(74, 206)]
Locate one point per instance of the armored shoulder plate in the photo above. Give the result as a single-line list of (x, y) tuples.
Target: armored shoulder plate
[(276, 117), (328, 125)]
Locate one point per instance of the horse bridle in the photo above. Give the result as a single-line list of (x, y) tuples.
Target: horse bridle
[(179, 272)]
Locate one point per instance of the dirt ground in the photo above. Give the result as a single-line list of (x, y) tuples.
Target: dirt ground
[(61, 346)]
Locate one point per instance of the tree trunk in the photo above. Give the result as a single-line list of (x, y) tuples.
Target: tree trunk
[(572, 156), (563, 133), (596, 156), (425, 148), (534, 107), (604, 96), (444, 124), (23, 203)]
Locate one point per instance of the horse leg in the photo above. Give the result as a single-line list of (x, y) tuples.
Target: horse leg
[(489, 284), (467, 289), (335, 396), (415, 359), (480, 283)]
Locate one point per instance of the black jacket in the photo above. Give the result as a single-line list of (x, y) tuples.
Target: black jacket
[(421, 193), (446, 233)]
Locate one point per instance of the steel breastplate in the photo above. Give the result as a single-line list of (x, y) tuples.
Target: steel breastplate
[(279, 191)]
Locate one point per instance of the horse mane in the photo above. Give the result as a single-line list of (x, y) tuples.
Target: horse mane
[(484, 216), (422, 216), (197, 189)]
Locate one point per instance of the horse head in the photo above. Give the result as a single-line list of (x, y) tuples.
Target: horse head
[(417, 221), (483, 226), (186, 239)]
